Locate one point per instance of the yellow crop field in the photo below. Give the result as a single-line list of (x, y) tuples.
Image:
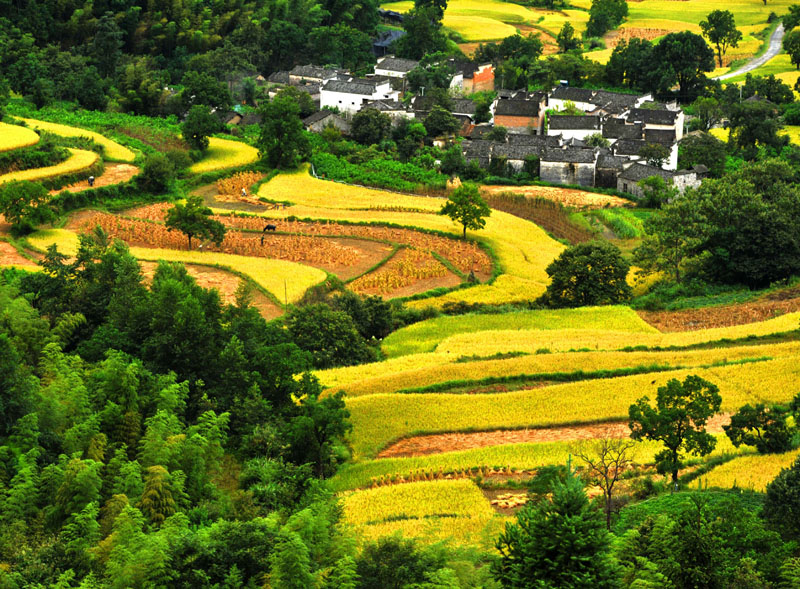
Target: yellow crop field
[(552, 21), (432, 510), (478, 28), (225, 153), (426, 335), (754, 471), (78, 161), (745, 12), (445, 368), (113, 150), (791, 131), (561, 340), (285, 280), (380, 419), (525, 456), (14, 137)]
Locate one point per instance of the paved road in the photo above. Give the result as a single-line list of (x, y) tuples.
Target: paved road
[(775, 43)]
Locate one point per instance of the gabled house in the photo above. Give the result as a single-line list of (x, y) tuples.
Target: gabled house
[(520, 116), (608, 168), (662, 119), (303, 74), (479, 150), (573, 127), (394, 67), (395, 109), (568, 166), (614, 129), (628, 180), (580, 97), (350, 96), (517, 155), (616, 103), (324, 118), (477, 77)]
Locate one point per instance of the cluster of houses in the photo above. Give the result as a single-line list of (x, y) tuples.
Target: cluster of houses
[(560, 130)]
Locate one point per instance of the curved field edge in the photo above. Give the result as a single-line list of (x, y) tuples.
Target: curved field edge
[(523, 250), (16, 137), (113, 151), (80, 159), (752, 472), (285, 281), (379, 420), (223, 154)]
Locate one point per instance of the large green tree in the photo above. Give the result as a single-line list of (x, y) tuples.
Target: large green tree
[(682, 59), (370, 126), (466, 206), (282, 140), (791, 45), (198, 126), (720, 28), (25, 204), (678, 421), (605, 15), (193, 219)]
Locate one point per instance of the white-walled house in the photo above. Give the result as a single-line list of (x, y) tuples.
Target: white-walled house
[(580, 97), (658, 119), (350, 96), (394, 67), (573, 127)]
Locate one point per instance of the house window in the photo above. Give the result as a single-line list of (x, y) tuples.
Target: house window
[(625, 187)]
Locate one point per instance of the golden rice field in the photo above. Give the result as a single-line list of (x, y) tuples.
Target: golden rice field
[(440, 368), (286, 281), (380, 419), (15, 137), (523, 249), (223, 154), (526, 456), (429, 510), (754, 471), (79, 160), (791, 131), (425, 336), (113, 150)]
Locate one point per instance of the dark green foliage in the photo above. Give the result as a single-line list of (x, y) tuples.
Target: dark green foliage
[(157, 174), (605, 15), (655, 154), (466, 206), (342, 45), (769, 87), (331, 336), (423, 27), (282, 141), (303, 99), (372, 315), (566, 39), (682, 59), (753, 125), (760, 426), (782, 502), (588, 274), (379, 172), (201, 88), (440, 122), (194, 220), (630, 64), (704, 149), (720, 29), (25, 205), (370, 126), (394, 563), (409, 136), (678, 421), (791, 45), (47, 152), (560, 542), (198, 126)]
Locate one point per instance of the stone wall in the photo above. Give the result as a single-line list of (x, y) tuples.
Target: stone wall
[(567, 173)]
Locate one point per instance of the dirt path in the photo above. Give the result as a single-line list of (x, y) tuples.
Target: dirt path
[(452, 442), (113, 174), (9, 256), (775, 44)]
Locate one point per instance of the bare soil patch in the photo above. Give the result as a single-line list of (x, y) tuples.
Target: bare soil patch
[(723, 316), (627, 33), (113, 174), (9, 256), (452, 442)]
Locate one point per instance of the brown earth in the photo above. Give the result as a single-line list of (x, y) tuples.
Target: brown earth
[(9, 256), (724, 316), (113, 174), (566, 196), (452, 442), (422, 285)]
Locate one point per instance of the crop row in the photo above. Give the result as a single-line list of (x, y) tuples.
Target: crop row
[(501, 341), (15, 137), (79, 160), (294, 248), (426, 335), (381, 419), (112, 150), (750, 472), (444, 368), (405, 268)]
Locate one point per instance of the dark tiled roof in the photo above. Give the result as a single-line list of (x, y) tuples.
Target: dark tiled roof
[(523, 139), (279, 78), (610, 162), (385, 105), (463, 106), (629, 146), (653, 117), (517, 108), (639, 171), (659, 136), (618, 129), (317, 116), (397, 64), (312, 72), (517, 152), (478, 147), (359, 86), (565, 122), (604, 97), (574, 156), (573, 94), (387, 38), (309, 88)]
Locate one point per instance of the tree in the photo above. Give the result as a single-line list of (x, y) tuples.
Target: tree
[(423, 27), (193, 219), (708, 111), (566, 39), (303, 99), (792, 18), (656, 192), (157, 174), (769, 87), (282, 141), (330, 336), (393, 562), (702, 149), (199, 124), (24, 204), (791, 45), (409, 136), (606, 459), (760, 426), (466, 206), (558, 542), (440, 121), (203, 88), (157, 502), (678, 421), (720, 29), (370, 126), (754, 124), (597, 140), (107, 44), (588, 274), (605, 15), (630, 64), (782, 502), (655, 154), (681, 58)]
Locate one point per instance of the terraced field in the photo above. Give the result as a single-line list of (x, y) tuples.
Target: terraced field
[(113, 150), (15, 137), (223, 154), (79, 160)]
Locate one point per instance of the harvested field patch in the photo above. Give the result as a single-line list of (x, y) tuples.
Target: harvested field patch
[(454, 442), (722, 316), (407, 272), (9, 256), (568, 197)]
